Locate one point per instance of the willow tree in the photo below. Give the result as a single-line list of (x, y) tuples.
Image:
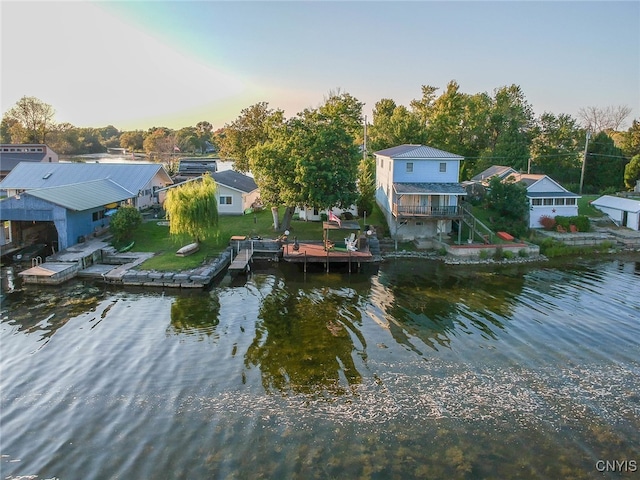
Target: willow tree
[(192, 208)]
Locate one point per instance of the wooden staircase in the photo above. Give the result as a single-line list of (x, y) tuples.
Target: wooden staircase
[(477, 228)]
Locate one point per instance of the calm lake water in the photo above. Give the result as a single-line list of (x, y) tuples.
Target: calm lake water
[(421, 371)]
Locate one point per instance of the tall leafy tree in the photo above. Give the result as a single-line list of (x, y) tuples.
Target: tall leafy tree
[(65, 139), (510, 124), (632, 172), (35, 119), (394, 125), (366, 185), (192, 208), (204, 130), (249, 130), (345, 108), (556, 147), (604, 169), (133, 140), (423, 107), (310, 160)]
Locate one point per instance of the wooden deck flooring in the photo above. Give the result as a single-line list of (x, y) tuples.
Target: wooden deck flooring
[(316, 253)]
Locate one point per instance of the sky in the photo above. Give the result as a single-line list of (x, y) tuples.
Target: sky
[(140, 64)]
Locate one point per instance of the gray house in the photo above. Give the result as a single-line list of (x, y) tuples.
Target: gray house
[(12, 154)]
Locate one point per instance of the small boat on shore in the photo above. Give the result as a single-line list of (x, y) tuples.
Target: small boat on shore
[(126, 248), (188, 249)]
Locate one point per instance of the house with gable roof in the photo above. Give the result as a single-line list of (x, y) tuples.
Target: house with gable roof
[(546, 197), (418, 190), (60, 204), (236, 192), (12, 154)]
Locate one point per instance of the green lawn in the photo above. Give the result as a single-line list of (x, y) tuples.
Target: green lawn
[(151, 237), (585, 208)]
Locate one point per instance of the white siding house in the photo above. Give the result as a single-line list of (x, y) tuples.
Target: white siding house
[(625, 212), (236, 192), (546, 198), (417, 189)]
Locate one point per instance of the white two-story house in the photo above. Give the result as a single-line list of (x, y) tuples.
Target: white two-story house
[(418, 190)]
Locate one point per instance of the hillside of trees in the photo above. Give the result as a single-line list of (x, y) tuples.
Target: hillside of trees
[(498, 128)]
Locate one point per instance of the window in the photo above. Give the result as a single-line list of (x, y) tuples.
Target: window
[(570, 201), (226, 200), (409, 167), (559, 201), (98, 215), (443, 167), (382, 163), (536, 202), (548, 201)]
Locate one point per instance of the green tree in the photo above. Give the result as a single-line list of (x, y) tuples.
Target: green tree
[(605, 165), (204, 131), (65, 140), (187, 140), (192, 208), (394, 125), (250, 129), (509, 200), (510, 124), (366, 185), (629, 141), (35, 118), (159, 142), (632, 172), (556, 147), (423, 107), (133, 141), (123, 224), (311, 160)]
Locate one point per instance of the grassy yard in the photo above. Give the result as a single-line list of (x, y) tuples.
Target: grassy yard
[(151, 237), (585, 207)]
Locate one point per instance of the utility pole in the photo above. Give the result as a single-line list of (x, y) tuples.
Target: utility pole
[(584, 160), (364, 146)]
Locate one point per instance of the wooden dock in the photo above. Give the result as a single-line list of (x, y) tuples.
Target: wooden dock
[(240, 264), (315, 253)]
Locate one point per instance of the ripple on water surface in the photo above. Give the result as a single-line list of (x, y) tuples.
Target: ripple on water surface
[(327, 376)]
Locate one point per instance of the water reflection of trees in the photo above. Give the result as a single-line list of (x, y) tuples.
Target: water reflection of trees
[(46, 309), (195, 314), (306, 337), (433, 301)]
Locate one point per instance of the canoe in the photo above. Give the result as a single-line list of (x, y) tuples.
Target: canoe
[(126, 248), (188, 249)]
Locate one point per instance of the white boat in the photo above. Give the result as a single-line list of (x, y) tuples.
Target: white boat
[(188, 249)]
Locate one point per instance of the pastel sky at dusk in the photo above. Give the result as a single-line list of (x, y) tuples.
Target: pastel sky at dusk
[(138, 64)]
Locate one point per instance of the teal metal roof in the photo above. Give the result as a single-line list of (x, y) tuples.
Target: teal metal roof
[(83, 196)]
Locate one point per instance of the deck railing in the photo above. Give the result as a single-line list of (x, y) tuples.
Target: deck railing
[(426, 211)]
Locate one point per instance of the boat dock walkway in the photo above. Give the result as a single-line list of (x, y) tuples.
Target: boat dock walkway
[(241, 262)]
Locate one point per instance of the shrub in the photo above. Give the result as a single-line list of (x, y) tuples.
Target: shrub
[(522, 253), (508, 254), (498, 254), (123, 223), (442, 251), (484, 254), (547, 222)]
